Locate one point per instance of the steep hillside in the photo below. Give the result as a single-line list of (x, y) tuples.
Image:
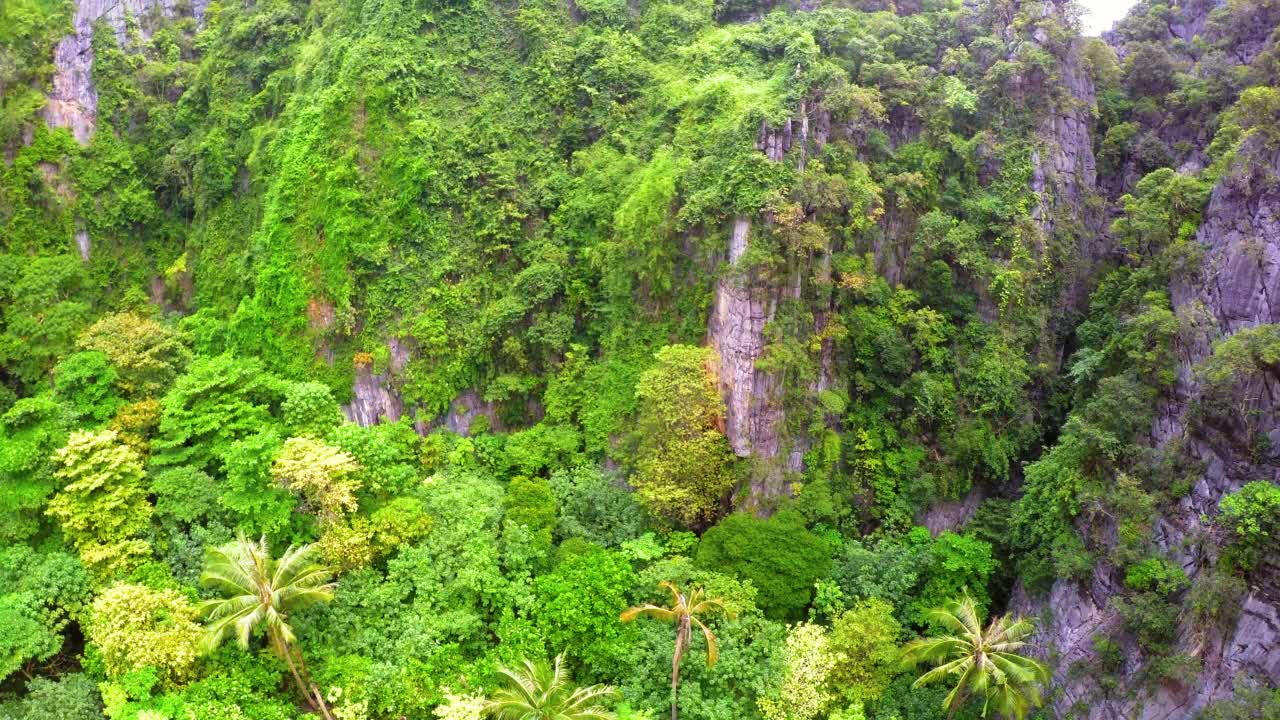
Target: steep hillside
[(507, 311)]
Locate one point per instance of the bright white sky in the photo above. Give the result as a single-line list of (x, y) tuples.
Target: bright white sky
[(1100, 14)]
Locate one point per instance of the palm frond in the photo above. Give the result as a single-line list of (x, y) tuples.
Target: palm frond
[(650, 610), (981, 661), (541, 691), (932, 649), (713, 652), (707, 606), (676, 598), (959, 665)]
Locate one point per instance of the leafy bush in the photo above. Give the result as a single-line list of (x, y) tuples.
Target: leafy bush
[(102, 507), (86, 383), (595, 506), (779, 556), (74, 696), (1252, 516), (147, 354), (683, 466), (136, 627), (578, 607)]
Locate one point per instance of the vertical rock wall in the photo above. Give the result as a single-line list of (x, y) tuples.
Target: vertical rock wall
[(1237, 289), (753, 403), (73, 101), (744, 305), (373, 397), (1065, 174)]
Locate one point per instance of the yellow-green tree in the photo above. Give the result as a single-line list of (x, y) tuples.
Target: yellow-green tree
[(683, 467), (864, 640), (327, 479), (134, 627), (103, 506), (146, 353), (805, 689), (322, 474)]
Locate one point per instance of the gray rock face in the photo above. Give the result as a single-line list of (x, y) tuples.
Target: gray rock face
[(373, 400), (466, 409), (1069, 170), (1241, 282), (753, 404), (373, 397), (73, 101), (951, 514), (82, 243), (1236, 289), (1064, 170)]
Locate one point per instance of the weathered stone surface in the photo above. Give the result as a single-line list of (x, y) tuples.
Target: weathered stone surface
[(373, 397), (1236, 290), (82, 243), (754, 414), (1064, 170), (1241, 282), (73, 101), (466, 409), (951, 514), (753, 407)]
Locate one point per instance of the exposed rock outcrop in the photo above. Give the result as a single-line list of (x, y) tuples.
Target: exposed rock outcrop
[(1236, 290), (73, 101), (950, 515), (1064, 169), (753, 408), (744, 305), (466, 409), (753, 403), (373, 398)]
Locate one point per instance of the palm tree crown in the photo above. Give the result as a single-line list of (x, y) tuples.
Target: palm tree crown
[(539, 691), (258, 590), (983, 661)]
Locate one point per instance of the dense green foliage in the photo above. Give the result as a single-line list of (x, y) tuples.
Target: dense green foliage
[(506, 224)]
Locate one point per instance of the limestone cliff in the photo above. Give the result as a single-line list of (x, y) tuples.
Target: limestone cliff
[(1236, 290), (73, 101), (753, 403)]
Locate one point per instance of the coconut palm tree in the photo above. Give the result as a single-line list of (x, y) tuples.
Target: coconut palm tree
[(684, 611), (983, 662), (539, 691), (260, 591)]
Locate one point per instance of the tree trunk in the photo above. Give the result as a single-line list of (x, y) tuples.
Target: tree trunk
[(675, 682), (682, 642), (309, 689)]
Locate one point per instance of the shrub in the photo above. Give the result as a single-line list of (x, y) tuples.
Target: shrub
[(595, 506), (103, 506), (136, 627), (147, 354), (779, 556), (86, 382), (578, 605), (1252, 516)]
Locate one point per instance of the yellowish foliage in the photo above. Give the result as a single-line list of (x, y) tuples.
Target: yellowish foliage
[(321, 473), (134, 627), (103, 507)]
